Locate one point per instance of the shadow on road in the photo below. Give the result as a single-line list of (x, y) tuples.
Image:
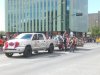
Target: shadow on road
[(40, 55), (45, 54), (82, 49)]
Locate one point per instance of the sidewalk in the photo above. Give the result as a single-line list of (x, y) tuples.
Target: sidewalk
[(91, 45)]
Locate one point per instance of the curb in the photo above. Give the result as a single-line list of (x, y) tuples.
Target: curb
[(89, 47)]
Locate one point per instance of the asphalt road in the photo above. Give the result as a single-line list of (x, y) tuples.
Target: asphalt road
[(82, 62)]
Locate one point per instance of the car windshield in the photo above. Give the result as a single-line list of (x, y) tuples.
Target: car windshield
[(24, 36)]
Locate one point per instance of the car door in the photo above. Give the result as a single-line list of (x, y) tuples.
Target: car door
[(42, 41), (35, 42)]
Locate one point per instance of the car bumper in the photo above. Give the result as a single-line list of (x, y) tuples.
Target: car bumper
[(16, 50)]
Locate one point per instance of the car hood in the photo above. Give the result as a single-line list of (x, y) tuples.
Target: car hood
[(17, 40)]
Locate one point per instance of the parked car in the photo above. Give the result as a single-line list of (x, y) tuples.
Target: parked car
[(26, 43)]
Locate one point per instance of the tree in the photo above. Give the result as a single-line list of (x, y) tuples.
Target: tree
[(95, 31), (2, 32)]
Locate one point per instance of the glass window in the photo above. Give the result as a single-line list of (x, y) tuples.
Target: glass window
[(30, 9), (31, 25), (40, 37), (24, 36), (35, 37), (41, 8), (44, 5), (27, 36), (34, 11), (67, 4), (52, 4), (24, 26), (48, 5), (56, 4), (37, 10), (34, 25)]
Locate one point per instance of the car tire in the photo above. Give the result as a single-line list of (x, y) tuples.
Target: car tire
[(9, 54), (28, 51), (51, 48)]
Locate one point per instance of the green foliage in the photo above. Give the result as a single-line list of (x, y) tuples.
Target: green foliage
[(2, 32), (95, 31)]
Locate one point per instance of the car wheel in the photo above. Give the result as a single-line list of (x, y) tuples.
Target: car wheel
[(51, 48), (9, 54), (27, 52)]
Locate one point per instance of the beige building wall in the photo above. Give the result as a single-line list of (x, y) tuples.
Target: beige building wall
[(93, 19)]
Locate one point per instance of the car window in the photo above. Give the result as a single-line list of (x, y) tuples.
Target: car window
[(35, 37), (27, 36), (24, 36), (40, 37)]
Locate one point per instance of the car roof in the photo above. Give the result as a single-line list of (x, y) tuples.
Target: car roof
[(31, 33)]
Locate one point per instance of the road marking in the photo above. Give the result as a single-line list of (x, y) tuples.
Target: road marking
[(2, 65)]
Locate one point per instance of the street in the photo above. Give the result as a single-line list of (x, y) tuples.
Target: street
[(81, 62)]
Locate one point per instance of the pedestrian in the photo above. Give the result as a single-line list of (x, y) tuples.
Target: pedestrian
[(67, 41), (65, 35), (73, 43)]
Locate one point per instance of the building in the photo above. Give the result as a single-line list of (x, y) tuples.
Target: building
[(94, 19), (46, 15)]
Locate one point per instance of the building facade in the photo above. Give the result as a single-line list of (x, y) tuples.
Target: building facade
[(94, 20), (79, 23), (46, 15)]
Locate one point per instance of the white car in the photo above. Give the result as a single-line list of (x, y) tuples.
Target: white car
[(26, 43)]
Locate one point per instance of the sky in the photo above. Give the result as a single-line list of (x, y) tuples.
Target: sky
[(93, 7), (2, 15)]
